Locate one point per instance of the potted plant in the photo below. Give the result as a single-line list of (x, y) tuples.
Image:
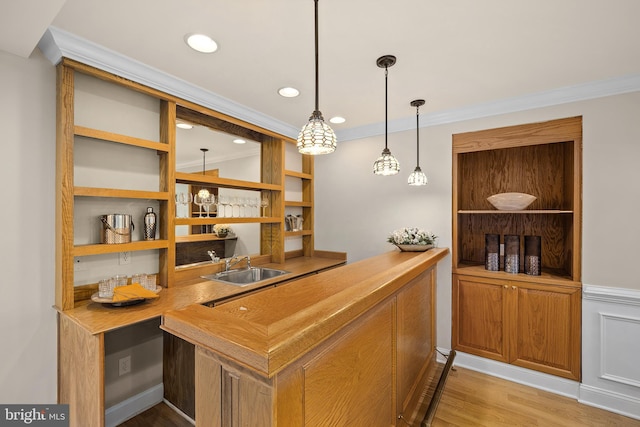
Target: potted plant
[(222, 230), (412, 239)]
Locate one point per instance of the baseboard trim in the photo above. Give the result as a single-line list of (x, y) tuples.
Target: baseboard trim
[(610, 401), (539, 380), (121, 412), (179, 411)]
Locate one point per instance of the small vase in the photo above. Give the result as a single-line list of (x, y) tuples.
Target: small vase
[(414, 248), (222, 235)]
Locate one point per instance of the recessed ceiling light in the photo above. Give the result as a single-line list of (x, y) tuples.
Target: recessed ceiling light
[(201, 43), (184, 125), (288, 92), (337, 119), (239, 141)]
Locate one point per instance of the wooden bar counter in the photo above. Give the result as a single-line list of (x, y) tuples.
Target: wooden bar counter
[(350, 346)]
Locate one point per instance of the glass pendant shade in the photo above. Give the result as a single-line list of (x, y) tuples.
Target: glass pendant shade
[(386, 164), (316, 137), (203, 193), (417, 177)]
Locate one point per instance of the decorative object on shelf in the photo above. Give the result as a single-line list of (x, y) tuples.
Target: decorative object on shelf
[(512, 253), (417, 177), (386, 163), (150, 224), (412, 239), (116, 228), (222, 230), (492, 252), (316, 137), (293, 223), (511, 201), (203, 193), (533, 255)]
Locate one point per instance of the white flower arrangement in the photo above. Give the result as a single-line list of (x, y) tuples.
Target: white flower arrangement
[(222, 229), (412, 236)]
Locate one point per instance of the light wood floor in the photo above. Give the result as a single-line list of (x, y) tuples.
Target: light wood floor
[(470, 399), (474, 399)]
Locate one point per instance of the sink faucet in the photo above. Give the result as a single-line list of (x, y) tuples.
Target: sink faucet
[(230, 262)]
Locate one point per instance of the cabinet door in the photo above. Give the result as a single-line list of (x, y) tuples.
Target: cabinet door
[(479, 309), (546, 329)]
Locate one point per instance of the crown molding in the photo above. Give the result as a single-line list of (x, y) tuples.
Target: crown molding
[(564, 95), (57, 43)]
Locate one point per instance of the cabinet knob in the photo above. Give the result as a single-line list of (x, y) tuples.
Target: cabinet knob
[(513, 287), (505, 286)]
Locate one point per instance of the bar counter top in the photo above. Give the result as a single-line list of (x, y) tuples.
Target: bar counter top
[(266, 331), (98, 318)]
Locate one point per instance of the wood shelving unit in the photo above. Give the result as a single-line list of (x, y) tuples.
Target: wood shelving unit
[(529, 321)]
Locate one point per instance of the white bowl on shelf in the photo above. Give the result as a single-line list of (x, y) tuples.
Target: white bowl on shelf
[(511, 201)]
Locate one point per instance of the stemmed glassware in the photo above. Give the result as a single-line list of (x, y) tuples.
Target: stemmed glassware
[(183, 199), (264, 204), (199, 200)]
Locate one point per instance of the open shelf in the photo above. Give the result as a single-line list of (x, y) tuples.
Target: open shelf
[(100, 248), (226, 220), (118, 193), (121, 139), (191, 178)]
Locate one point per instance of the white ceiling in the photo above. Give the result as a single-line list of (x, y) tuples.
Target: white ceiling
[(455, 54)]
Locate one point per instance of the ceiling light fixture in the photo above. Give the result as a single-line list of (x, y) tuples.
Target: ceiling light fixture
[(203, 192), (386, 163), (184, 125), (417, 177), (239, 141), (337, 120), (201, 43), (316, 137), (288, 92)]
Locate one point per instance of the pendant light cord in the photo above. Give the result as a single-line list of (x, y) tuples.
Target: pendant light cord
[(386, 103), (417, 136), (316, 35)]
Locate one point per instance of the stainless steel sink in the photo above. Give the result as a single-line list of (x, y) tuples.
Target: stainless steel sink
[(245, 276)]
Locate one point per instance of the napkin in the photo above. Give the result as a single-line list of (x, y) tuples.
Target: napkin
[(131, 292)]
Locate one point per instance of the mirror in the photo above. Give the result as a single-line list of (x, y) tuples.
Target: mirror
[(230, 153)]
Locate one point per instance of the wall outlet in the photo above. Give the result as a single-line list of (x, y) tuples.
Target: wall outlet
[(125, 258), (124, 365), (79, 264)]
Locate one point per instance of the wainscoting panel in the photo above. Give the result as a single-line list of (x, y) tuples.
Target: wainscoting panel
[(611, 349)]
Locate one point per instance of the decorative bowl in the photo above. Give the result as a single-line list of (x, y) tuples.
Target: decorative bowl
[(511, 201), (414, 248)]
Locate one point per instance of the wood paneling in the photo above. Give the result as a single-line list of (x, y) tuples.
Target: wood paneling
[(178, 373)]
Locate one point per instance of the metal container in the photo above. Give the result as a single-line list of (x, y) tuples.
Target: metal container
[(116, 228)]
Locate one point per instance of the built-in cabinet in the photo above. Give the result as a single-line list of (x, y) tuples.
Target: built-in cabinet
[(529, 321)]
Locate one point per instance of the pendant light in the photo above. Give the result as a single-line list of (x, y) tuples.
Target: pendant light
[(386, 163), (316, 137), (417, 177), (203, 192)]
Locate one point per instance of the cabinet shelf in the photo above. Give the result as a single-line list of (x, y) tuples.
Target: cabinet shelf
[(98, 249), (295, 174), (298, 233), (118, 193), (202, 238), (497, 212), (291, 203), (190, 178), (121, 139), (226, 220), (548, 276)]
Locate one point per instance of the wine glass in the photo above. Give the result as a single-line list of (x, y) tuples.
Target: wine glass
[(183, 199), (222, 202), (264, 204), (198, 200)]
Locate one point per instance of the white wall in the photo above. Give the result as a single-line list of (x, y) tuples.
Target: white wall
[(28, 353)]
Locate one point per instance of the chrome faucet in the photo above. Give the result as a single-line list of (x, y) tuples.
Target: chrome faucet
[(214, 257), (230, 262)]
